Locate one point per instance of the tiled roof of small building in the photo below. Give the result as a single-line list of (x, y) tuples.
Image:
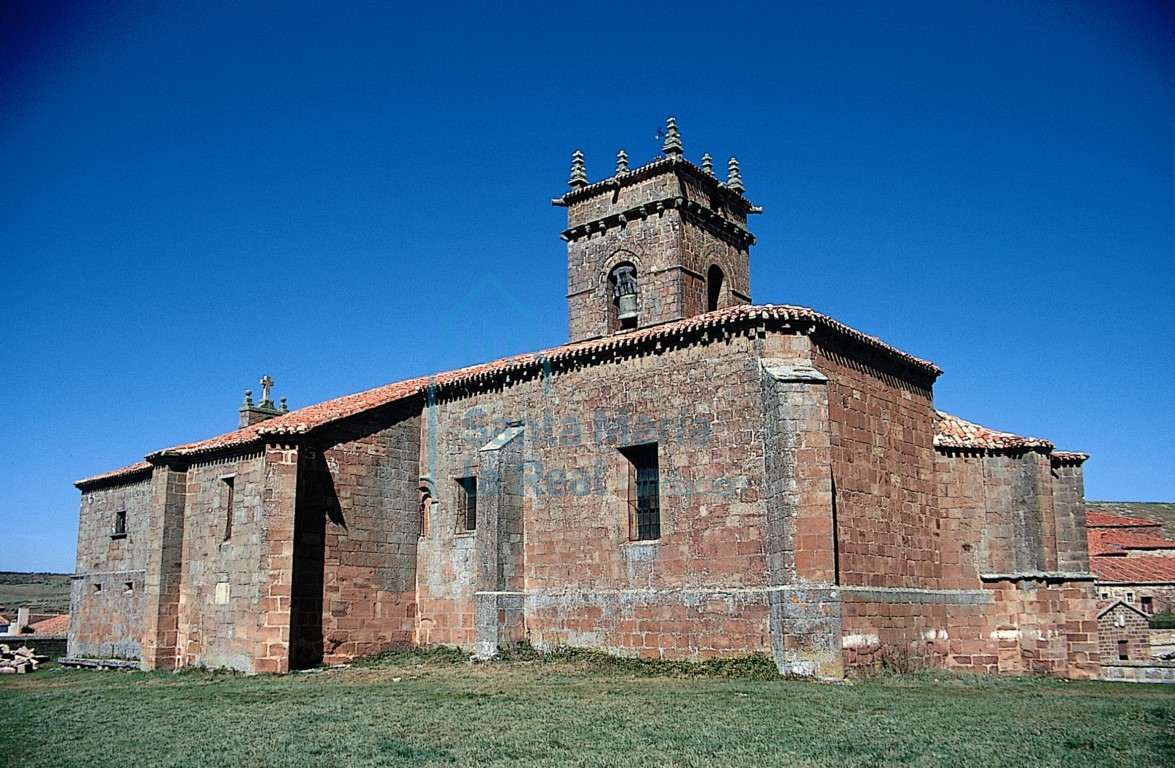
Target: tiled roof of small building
[(1100, 547), (1102, 520), (954, 432), (142, 467), (1108, 541), (311, 417), (1134, 570), (58, 626)]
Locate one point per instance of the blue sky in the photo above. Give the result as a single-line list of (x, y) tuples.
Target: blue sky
[(196, 194)]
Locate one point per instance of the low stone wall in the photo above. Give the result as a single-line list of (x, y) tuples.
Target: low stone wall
[(1139, 671)]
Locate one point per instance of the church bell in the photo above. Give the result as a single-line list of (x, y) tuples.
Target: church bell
[(625, 291), (627, 304)]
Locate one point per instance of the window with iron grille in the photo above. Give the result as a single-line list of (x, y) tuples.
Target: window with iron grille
[(467, 504), (644, 492), (119, 524)]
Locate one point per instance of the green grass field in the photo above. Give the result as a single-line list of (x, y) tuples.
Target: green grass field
[(422, 709)]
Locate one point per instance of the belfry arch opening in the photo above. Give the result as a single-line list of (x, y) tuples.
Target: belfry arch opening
[(623, 297), (714, 281)]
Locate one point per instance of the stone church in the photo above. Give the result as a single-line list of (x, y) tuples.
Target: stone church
[(690, 476)]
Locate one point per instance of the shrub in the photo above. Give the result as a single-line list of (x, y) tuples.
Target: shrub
[(1163, 621)]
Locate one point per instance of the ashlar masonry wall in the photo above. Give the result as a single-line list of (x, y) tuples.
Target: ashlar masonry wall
[(223, 580), (107, 592), (899, 576), (1020, 528), (697, 591), (356, 537)]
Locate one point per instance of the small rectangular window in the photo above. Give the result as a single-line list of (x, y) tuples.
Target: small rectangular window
[(1123, 651), (227, 493), (644, 492), (467, 504), (119, 523), (1130, 597), (1148, 604)]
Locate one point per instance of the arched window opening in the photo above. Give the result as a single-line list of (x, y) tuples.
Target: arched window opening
[(623, 309), (714, 280)]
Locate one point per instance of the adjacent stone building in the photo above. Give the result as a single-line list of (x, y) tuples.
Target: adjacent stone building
[(1133, 563), (1123, 632), (691, 476)]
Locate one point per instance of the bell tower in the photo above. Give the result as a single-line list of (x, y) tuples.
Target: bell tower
[(657, 243)]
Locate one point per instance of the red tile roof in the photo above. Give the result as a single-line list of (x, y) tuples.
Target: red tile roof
[(58, 626), (126, 473), (953, 432), (306, 419), (1133, 570), (1100, 547), (1103, 541), (1102, 520)]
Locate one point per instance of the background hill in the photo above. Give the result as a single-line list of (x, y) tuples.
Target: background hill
[(39, 592)]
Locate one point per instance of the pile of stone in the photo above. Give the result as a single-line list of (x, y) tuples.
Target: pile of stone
[(20, 661)]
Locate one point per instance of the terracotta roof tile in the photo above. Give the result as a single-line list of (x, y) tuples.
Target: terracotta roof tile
[(1099, 546), (58, 626), (1133, 570), (953, 432), (141, 467), (306, 419), (1109, 539), (1102, 520)]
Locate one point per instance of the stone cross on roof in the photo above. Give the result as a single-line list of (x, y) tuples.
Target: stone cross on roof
[(266, 383)]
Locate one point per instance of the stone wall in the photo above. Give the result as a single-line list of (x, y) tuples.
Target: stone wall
[(223, 578), (356, 538), (106, 615), (881, 428), (164, 568), (1011, 522), (672, 250), (1068, 485), (1139, 671), (106, 595), (699, 589), (1162, 596), (99, 547), (1120, 625)]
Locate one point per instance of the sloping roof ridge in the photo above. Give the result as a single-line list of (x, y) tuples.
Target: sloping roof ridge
[(1124, 538), (117, 474), (1106, 520), (311, 417), (954, 432), (1114, 604)]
